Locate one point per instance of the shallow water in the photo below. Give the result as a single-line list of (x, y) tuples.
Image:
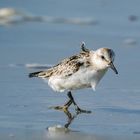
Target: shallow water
[(115, 104)]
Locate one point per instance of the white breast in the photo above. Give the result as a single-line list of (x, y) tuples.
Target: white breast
[(83, 78)]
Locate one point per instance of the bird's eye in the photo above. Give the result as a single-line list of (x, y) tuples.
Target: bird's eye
[(102, 57)]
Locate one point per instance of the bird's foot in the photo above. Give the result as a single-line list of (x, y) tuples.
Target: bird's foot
[(79, 110), (62, 108), (56, 107)]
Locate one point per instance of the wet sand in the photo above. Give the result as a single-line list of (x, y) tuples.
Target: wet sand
[(36, 45), (30, 134)]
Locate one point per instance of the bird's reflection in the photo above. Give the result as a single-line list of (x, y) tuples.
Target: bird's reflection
[(70, 118)]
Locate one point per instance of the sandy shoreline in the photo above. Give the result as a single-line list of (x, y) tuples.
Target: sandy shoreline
[(28, 47)]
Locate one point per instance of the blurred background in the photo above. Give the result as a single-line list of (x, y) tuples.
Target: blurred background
[(38, 33)]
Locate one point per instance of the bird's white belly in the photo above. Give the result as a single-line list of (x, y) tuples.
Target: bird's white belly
[(61, 85), (79, 80)]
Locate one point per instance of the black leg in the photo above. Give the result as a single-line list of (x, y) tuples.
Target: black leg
[(77, 108), (68, 103), (71, 98)]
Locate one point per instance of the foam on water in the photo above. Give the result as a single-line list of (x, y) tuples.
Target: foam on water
[(11, 16)]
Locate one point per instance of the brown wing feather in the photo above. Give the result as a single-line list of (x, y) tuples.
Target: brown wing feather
[(70, 65), (66, 67)]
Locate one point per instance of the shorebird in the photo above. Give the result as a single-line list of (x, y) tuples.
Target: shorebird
[(83, 70)]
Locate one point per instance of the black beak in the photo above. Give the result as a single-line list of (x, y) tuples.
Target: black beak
[(113, 67)]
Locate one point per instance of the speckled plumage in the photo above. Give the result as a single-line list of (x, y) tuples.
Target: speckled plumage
[(67, 66), (78, 71)]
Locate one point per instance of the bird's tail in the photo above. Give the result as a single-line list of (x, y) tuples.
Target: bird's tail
[(36, 74)]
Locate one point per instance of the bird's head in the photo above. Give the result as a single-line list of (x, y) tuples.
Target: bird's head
[(103, 58)]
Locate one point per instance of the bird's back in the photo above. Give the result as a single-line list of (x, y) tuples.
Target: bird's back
[(66, 67)]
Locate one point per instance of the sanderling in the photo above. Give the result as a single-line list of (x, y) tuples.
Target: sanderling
[(83, 70)]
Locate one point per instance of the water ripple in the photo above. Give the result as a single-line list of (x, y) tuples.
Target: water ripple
[(120, 110)]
